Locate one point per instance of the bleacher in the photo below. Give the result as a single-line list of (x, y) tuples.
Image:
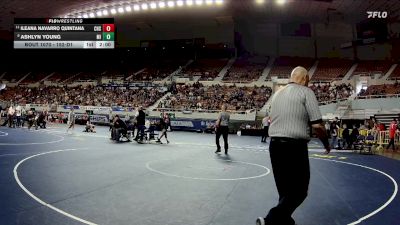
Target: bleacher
[(85, 77), (157, 71), (82, 95), (35, 77), (14, 76), (207, 69), (372, 67), (396, 73), (199, 97), (284, 65), (331, 69), (246, 69), (59, 77), (383, 89)]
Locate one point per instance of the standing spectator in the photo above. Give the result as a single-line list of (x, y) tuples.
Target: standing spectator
[(392, 133), (4, 114), (334, 129), (293, 108), (10, 114), (346, 137), (71, 119), (30, 117), (163, 127), (375, 131), (265, 122), (398, 124), (328, 128), (222, 128), (140, 122), (18, 112), (354, 135), (167, 121)]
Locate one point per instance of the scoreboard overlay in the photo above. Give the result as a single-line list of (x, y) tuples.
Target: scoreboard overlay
[(64, 33)]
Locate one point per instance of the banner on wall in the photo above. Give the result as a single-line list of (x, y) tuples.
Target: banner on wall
[(192, 125), (188, 124), (96, 108), (77, 107)]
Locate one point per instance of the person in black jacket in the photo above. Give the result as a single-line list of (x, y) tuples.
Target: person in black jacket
[(346, 137), (140, 123), (353, 136), (119, 128), (163, 128)]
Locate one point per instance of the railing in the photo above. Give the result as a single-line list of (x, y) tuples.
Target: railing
[(361, 97), (333, 101), (378, 96), (383, 138), (380, 137), (188, 111)]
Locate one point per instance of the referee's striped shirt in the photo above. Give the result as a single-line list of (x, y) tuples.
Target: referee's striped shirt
[(292, 109)]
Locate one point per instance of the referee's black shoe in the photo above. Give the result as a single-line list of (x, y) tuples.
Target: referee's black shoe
[(218, 150)]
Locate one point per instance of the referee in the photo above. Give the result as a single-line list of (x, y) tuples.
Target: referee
[(293, 109), (222, 128)]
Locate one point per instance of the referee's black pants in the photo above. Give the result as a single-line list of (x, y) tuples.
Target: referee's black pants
[(265, 134), (290, 165), (222, 130)]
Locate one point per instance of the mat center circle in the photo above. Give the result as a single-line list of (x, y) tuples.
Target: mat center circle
[(219, 170)]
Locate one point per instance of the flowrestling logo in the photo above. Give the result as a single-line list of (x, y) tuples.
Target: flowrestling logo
[(377, 14)]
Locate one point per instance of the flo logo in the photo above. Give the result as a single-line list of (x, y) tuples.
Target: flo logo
[(377, 14)]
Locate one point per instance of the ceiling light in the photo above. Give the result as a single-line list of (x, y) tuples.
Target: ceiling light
[(91, 15), (113, 11), (105, 12), (209, 2), (145, 6), (128, 8), (171, 4), (79, 16), (121, 10), (99, 13), (189, 2), (85, 16), (219, 2), (179, 3), (280, 2), (153, 5), (260, 2), (161, 4), (199, 2), (136, 7)]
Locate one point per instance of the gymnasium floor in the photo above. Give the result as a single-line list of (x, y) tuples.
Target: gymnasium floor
[(50, 177)]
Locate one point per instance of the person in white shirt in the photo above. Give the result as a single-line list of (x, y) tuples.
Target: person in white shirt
[(265, 122), (18, 112), (10, 115)]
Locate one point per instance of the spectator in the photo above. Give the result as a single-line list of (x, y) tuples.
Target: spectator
[(334, 129), (346, 137), (392, 133)]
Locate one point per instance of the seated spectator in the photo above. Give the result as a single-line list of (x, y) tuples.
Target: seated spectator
[(327, 92), (82, 95), (202, 98)]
